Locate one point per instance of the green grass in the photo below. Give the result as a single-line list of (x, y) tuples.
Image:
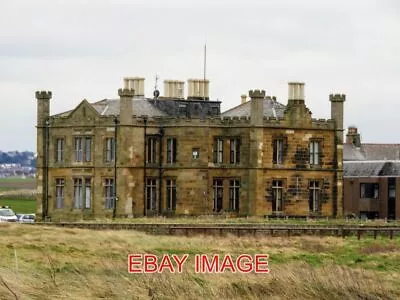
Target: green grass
[(23, 206)]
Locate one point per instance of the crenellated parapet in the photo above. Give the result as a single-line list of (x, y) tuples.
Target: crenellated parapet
[(43, 95), (337, 97), (257, 94)]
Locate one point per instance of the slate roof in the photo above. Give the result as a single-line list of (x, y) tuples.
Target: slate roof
[(371, 152), (371, 169), (141, 107), (272, 108), (161, 107), (371, 160)]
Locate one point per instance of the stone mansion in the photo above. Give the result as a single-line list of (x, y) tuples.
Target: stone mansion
[(170, 155)]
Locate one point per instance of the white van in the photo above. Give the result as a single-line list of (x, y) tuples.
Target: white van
[(7, 215)]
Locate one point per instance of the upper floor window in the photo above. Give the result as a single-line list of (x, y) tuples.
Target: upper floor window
[(151, 150), (277, 193), (60, 182), (109, 152), (315, 152), (109, 196), (235, 151), (218, 151), (171, 150), (59, 149), (171, 194), (369, 190), (83, 149), (278, 151), (313, 201)]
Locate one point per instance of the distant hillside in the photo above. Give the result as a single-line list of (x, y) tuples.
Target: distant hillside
[(25, 158)]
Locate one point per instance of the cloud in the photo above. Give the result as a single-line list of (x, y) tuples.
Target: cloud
[(82, 49)]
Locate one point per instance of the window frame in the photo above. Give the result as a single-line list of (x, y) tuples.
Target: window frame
[(151, 194), (171, 194), (151, 151), (82, 149), (278, 146), (59, 149), (234, 150), (218, 150), (109, 149), (171, 150), (314, 198), (218, 194), (315, 154), (277, 196), (60, 192), (234, 194), (109, 193), (373, 186)]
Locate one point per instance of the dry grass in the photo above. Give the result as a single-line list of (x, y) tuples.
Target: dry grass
[(56, 263)]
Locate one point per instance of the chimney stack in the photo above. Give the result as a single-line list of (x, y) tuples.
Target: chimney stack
[(296, 91), (337, 103), (125, 105), (43, 106), (353, 137), (136, 84), (174, 89), (257, 107), (243, 98), (198, 89)]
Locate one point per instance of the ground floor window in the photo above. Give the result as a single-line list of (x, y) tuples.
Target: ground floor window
[(218, 189), (234, 186), (314, 195), (151, 194), (171, 194), (60, 183), (277, 193), (109, 197)]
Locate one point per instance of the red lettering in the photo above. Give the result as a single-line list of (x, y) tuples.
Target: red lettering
[(180, 262), (150, 260), (261, 260), (166, 263), (227, 263), (132, 261), (248, 264), (213, 268)]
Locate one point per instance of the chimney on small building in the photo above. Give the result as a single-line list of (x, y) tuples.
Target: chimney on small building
[(353, 136), (257, 107), (243, 98), (136, 84), (174, 89), (198, 89)]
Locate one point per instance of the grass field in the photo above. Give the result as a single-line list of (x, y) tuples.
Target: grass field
[(23, 206), (56, 263), (18, 193), (17, 183)]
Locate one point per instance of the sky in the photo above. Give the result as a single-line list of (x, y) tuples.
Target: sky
[(82, 50)]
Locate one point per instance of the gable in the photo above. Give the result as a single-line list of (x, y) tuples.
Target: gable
[(84, 112)]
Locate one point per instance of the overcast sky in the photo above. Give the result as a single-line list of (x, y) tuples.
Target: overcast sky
[(83, 49)]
